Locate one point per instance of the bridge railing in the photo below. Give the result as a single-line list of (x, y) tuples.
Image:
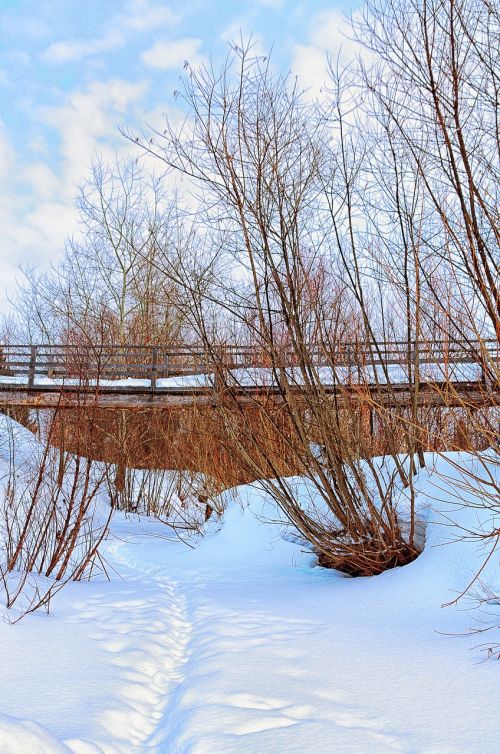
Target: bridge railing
[(30, 364)]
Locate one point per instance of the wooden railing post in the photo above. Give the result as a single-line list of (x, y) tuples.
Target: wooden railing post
[(32, 366), (154, 368)]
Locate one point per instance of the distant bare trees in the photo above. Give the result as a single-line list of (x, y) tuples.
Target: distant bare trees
[(109, 287)]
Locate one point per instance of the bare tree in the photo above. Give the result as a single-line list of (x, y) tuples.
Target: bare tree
[(270, 177), (433, 93), (50, 522), (435, 85)]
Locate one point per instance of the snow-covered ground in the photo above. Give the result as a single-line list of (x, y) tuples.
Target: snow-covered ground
[(237, 644)]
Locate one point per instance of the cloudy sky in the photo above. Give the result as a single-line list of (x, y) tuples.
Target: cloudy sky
[(73, 71)]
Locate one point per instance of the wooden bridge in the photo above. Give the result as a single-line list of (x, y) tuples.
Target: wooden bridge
[(134, 376)]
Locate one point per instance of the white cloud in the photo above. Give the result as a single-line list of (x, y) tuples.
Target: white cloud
[(33, 239), (145, 17), (43, 181), (330, 36), (7, 258), (310, 65), (87, 123), (37, 211), (64, 52), (165, 55), (46, 228), (39, 145), (8, 276), (140, 16), (6, 154), (270, 3), (29, 235)]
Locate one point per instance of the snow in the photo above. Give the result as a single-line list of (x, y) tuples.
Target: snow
[(236, 643), (23, 736), (258, 377)]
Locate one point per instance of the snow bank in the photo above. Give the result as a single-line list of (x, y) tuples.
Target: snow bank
[(253, 531), (26, 737), (235, 643)]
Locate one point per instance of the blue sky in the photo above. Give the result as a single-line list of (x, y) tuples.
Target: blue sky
[(73, 71)]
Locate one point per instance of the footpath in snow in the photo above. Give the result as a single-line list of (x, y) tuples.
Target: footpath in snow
[(239, 645)]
